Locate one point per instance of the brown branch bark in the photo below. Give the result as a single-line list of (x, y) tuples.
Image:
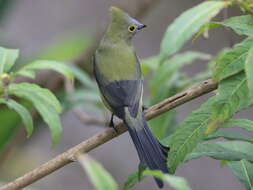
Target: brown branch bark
[(106, 135)]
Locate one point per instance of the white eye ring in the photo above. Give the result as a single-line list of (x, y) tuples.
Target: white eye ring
[(132, 28)]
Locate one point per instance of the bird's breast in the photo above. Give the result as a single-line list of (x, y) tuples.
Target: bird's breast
[(117, 63)]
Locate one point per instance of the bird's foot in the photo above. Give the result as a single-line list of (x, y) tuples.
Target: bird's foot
[(112, 125)]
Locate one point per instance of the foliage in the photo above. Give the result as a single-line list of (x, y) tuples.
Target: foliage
[(231, 68), (42, 99), (100, 178)]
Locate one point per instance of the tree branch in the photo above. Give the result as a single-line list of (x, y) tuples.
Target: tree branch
[(106, 135)]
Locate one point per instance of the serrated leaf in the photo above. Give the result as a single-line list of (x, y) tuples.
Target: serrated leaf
[(223, 151), (100, 178), (187, 24), (229, 135), (167, 75), (231, 62), (249, 68), (232, 96), (188, 135), (7, 59), (44, 101), (243, 170), (50, 65), (241, 123), (242, 25), (23, 113), (178, 183)]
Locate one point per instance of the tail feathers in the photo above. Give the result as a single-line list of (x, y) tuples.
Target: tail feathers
[(150, 151)]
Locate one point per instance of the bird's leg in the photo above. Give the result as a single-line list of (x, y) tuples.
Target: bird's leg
[(111, 124)]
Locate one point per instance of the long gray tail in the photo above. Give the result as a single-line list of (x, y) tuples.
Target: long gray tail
[(150, 151)]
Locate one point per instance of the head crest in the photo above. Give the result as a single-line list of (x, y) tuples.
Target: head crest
[(117, 13)]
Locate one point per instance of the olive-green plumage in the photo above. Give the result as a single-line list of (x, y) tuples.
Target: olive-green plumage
[(118, 74)]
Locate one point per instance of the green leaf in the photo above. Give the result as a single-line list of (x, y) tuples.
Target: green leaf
[(205, 28), (167, 75), (51, 65), (229, 135), (44, 101), (187, 24), (132, 180), (84, 95), (249, 69), (242, 25), (165, 72), (23, 112), (26, 73), (231, 62), (100, 178), (232, 96), (243, 170), (178, 183), (188, 135), (82, 77), (149, 64), (7, 59), (241, 123), (223, 151), (10, 123)]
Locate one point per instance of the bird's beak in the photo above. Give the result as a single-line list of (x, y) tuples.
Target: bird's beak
[(141, 26)]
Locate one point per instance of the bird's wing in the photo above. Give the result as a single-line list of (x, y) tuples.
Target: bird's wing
[(120, 94)]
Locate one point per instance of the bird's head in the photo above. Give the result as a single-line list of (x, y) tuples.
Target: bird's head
[(123, 25)]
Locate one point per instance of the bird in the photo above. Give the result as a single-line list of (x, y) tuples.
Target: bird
[(117, 71)]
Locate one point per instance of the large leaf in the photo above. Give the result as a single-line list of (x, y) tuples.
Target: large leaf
[(23, 113), (167, 75), (249, 69), (223, 151), (229, 135), (187, 24), (10, 123), (44, 101), (178, 183), (189, 133), (100, 178), (242, 25), (241, 123), (7, 59), (243, 170), (51, 65), (231, 62), (232, 96)]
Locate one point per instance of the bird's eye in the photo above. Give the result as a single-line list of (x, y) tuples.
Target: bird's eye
[(131, 28)]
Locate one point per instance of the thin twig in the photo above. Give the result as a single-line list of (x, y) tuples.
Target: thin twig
[(106, 135)]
